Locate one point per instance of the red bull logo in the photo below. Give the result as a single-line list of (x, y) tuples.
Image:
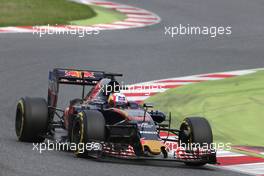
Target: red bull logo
[(78, 74)]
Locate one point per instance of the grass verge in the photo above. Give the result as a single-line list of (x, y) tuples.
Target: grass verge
[(234, 107), (104, 16), (52, 12)]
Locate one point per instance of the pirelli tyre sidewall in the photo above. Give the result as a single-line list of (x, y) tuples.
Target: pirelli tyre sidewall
[(88, 126), (31, 119)]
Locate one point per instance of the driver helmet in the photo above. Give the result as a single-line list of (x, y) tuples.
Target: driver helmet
[(117, 100)]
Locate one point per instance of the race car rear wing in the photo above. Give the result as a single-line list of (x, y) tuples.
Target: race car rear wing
[(79, 77), (74, 77)]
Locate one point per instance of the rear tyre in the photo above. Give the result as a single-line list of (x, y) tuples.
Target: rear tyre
[(88, 127), (31, 119), (195, 131)]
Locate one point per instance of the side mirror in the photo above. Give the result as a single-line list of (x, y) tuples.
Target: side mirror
[(148, 105), (158, 116)]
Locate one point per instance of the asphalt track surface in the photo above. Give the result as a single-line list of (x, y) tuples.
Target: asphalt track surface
[(141, 54)]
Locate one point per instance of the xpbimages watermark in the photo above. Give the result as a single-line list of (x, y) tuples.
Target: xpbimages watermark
[(94, 146), (187, 30), (213, 147), (57, 146), (79, 31), (141, 88)]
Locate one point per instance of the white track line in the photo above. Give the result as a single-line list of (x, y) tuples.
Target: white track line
[(111, 26), (128, 23), (223, 153)]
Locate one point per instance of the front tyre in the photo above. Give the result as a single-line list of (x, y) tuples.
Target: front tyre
[(88, 130), (31, 119), (195, 131)]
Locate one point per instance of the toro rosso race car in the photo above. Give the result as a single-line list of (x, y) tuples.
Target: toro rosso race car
[(121, 128)]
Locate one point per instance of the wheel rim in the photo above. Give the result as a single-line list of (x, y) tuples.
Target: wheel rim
[(77, 137), (185, 134), (19, 120), (76, 133)]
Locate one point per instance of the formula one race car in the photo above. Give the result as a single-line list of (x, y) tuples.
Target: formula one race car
[(122, 129)]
